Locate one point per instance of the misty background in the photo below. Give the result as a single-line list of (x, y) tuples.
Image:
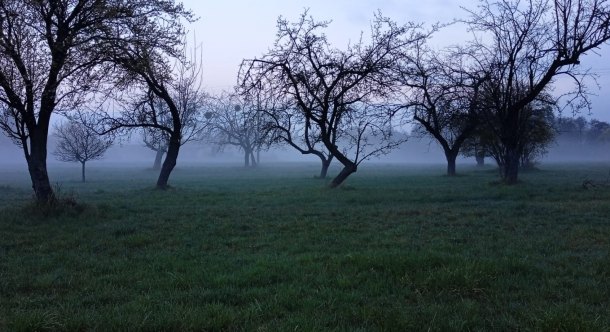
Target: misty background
[(417, 150), (230, 31)]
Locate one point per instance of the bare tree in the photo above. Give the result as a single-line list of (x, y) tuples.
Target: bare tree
[(235, 121), (164, 94), (338, 92), (156, 140), (77, 142), (51, 56), (287, 125), (283, 124), (442, 95), (193, 124), (525, 45)]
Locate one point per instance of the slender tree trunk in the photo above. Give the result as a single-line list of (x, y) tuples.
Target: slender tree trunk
[(324, 169), (510, 138), (246, 158), (451, 157), (82, 171), (253, 159), (347, 170), (37, 166), (170, 161), (510, 173), (158, 159), (258, 156), (480, 157)]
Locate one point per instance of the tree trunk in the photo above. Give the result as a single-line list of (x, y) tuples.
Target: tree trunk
[(258, 156), (325, 166), (253, 159), (451, 157), (480, 157), (170, 161), (83, 171), (158, 158), (37, 166), (246, 158), (511, 167), (347, 170)]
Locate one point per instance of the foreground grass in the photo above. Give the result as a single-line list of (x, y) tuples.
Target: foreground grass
[(273, 249)]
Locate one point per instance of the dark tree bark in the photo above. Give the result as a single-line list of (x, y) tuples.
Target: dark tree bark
[(345, 172), (37, 166), (82, 171), (169, 163), (510, 169), (451, 157)]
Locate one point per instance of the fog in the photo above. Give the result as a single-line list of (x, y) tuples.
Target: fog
[(414, 151)]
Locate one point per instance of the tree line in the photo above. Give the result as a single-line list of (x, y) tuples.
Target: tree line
[(126, 66)]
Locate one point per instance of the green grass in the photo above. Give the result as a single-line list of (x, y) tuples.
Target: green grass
[(397, 248)]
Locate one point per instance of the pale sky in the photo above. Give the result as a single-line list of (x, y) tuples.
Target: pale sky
[(231, 30)]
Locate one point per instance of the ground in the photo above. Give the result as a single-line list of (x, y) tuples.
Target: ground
[(396, 248)]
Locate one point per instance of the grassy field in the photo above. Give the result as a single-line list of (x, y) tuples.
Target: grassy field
[(397, 248)]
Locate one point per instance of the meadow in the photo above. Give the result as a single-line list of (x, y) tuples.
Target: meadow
[(397, 248)]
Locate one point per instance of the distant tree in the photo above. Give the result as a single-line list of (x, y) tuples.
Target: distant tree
[(599, 132), (525, 46), (53, 53), (573, 129), (237, 122), (76, 142), (474, 146), (537, 133), (156, 140), (338, 92), (442, 95)]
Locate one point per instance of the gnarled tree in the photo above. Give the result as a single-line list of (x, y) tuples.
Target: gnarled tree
[(442, 95), (164, 94), (338, 92), (156, 140), (51, 53), (284, 124), (525, 46)]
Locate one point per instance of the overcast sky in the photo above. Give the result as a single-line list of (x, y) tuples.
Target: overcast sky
[(231, 30)]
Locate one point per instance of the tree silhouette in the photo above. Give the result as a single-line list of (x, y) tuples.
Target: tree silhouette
[(338, 92), (54, 53), (236, 121), (77, 142), (524, 46)]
